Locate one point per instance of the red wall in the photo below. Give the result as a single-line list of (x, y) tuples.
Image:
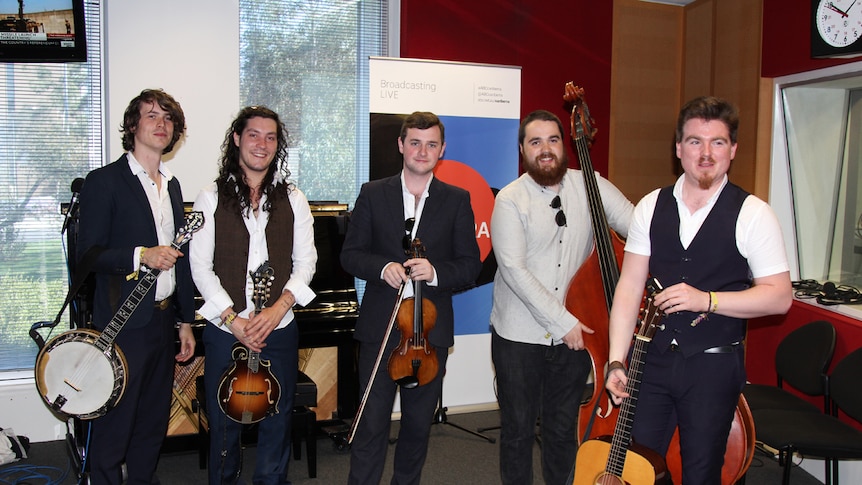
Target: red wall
[(787, 39), (556, 42), (553, 43)]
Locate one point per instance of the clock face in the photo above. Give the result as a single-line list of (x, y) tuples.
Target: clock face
[(839, 22)]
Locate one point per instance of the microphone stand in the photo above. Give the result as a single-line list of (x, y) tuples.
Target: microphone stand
[(441, 418)]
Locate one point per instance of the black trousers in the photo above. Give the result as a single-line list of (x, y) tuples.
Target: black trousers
[(697, 393), (133, 432)]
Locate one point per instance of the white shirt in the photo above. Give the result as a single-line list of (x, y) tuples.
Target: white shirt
[(758, 233), (163, 215), (414, 210), (304, 255), (537, 259)]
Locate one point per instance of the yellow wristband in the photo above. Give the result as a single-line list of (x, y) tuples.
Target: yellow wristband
[(713, 302), (229, 319)]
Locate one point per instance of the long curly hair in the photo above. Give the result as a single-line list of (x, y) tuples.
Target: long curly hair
[(236, 186)]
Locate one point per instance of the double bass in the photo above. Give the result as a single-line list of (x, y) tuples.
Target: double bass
[(595, 281)]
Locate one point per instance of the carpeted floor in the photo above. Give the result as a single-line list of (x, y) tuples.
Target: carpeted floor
[(455, 457)]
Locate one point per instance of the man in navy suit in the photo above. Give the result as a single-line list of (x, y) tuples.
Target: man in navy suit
[(130, 212), (389, 213)]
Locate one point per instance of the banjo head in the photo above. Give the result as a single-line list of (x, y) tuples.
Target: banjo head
[(77, 379)]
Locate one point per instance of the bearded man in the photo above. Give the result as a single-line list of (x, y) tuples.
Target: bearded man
[(542, 235)]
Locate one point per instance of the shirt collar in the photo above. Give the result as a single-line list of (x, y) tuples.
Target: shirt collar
[(137, 168), (428, 184), (279, 178), (677, 189)]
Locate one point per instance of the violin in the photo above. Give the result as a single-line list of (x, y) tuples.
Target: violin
[(413, 363)]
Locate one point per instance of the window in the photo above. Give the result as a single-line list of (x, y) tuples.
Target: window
[(50, 131), (815, 179), (308, 61)]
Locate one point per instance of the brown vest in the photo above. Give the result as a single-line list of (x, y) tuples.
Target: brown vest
[(230, 261)]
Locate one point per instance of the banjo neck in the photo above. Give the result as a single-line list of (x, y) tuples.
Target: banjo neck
[(193, 222), (106, 339)]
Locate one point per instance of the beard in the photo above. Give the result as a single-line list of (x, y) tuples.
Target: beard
[(550, 175), (705, 182)]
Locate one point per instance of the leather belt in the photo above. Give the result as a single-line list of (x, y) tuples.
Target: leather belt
[(163, 304), (721, 349)]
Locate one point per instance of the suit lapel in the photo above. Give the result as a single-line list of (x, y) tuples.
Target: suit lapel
[(394, 200), (432, 214), (134, 187)]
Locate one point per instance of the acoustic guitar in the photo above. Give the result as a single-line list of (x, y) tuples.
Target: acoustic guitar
[(622, 460), (248, 391), (81, 373)]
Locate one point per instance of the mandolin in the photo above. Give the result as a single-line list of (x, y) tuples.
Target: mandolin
[(624, 461), (249, 391)]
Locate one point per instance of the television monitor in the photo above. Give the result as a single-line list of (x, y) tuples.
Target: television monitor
[(42, 31)]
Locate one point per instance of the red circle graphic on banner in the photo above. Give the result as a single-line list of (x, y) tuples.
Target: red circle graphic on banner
[(481, 197)]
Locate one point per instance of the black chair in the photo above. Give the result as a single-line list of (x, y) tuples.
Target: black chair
[(801, 361), (815, 434)]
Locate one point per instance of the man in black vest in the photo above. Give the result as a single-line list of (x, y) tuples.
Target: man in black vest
[(253, 215), (131, 211), (719, 254)]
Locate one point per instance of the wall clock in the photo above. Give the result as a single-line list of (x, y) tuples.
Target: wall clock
[(836, 26)]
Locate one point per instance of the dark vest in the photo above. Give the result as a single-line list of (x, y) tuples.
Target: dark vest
[(711, 263), (230, 261)]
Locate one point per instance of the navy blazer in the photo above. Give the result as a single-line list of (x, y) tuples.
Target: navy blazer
[(375, 237), (115, 215)]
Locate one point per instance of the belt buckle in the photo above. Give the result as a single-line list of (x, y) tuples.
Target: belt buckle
[(163, 304)]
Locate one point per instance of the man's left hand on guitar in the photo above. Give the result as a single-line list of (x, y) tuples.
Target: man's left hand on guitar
[(616, 385)]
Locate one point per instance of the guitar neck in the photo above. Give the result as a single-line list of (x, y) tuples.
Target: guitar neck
[(623, 432)]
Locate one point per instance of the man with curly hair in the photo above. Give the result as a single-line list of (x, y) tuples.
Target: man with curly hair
[(252, 215)]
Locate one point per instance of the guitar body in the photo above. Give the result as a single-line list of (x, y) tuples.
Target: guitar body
[(77, 379), (248, 391), (642, 465)]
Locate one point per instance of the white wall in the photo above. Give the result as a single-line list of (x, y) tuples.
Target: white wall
[(189, 49)]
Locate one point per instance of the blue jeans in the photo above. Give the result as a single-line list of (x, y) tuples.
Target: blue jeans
[(274, 439), (533, 381)]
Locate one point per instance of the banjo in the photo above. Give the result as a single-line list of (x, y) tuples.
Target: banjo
[(81, 373)]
